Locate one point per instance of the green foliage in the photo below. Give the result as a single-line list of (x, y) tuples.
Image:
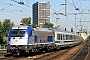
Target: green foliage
[(34, 25), (4, 29), (7, 25), (5, 39), (1, 27), (26, 21), (1, 32), (48, 25)]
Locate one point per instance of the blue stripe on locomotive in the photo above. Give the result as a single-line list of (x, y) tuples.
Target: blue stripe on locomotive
[(50, 38), (9, 36), (35, 38), (28, 31)]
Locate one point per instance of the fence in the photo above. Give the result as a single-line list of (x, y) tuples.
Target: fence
[(3, 46)]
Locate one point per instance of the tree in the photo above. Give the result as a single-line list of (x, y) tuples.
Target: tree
[(7, 24), (1, 32), (48, 25), (26, 21), (5, 39), (34, 25)]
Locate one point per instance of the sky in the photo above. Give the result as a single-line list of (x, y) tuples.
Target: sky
[(9, 9)]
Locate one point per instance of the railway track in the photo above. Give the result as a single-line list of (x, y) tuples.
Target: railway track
[(80, 52), (84, 53), (64, 54), (44, 56), (52, 55)]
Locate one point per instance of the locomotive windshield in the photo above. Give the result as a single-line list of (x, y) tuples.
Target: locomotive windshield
[(18, 33)]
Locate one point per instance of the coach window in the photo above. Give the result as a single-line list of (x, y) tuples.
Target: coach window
[(70, 37), (58, 36), (64, 37), (74, 37), (61, 37)]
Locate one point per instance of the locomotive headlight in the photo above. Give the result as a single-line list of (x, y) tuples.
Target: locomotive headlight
[(26, 47)]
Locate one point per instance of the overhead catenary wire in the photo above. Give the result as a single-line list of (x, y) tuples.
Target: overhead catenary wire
[(12, 11), (21, 3), (65, 19), (63, 22), (78, 8), (85, 4), (6, 7), (74, 5), (70, 4), (16, 6), (73, 13), (54, 9)]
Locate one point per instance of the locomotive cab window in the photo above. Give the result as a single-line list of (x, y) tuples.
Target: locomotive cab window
[(18, 33)]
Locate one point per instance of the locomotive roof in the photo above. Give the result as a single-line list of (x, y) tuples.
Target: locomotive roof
[(50, 29), (42, 29), (20, 27), (66, 32), (63, 31)]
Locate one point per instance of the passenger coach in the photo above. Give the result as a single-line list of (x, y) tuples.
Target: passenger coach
[(64, 38)]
